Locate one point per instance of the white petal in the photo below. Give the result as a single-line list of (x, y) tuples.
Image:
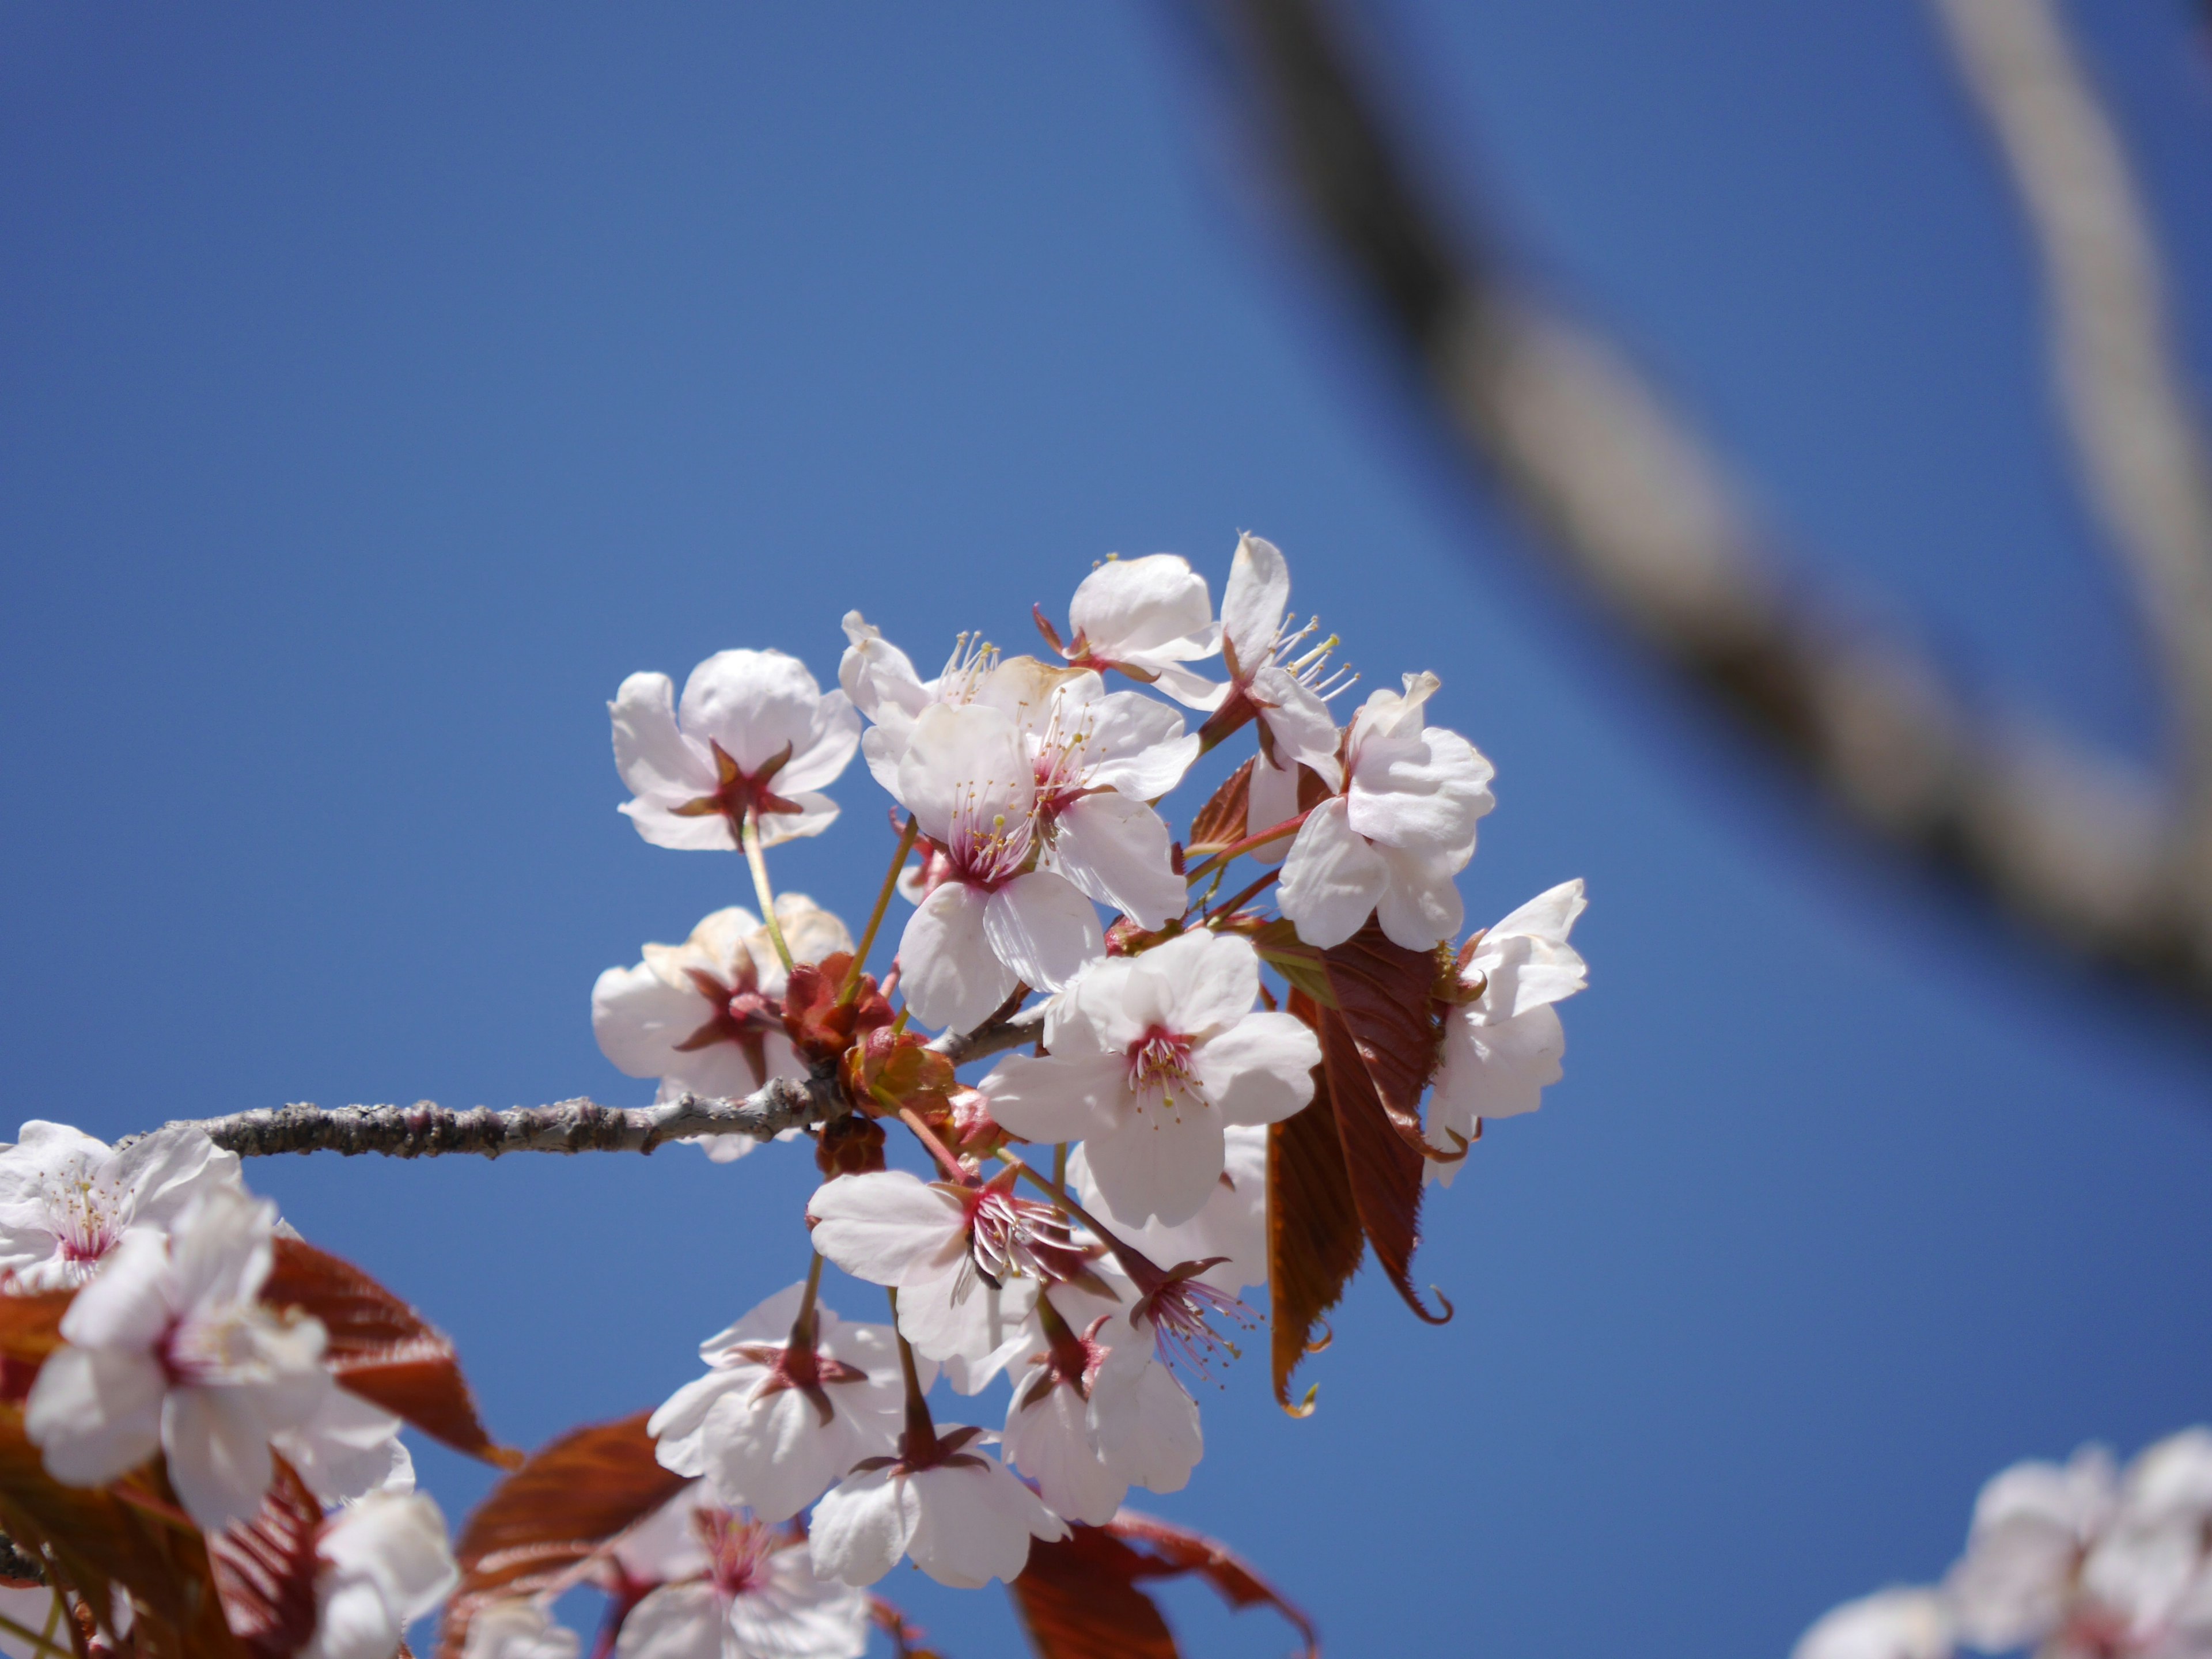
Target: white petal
[(1332, 879), (511, 1628), (656, 823), (1048, 1439), (1131, 604), (1147, 1427), (1260, 1069), (792, 1614), (218, 1454), (975, 1524), (639, 1018), (775, 1454), (650, 752), (1299, 724), (862, 1527), (967, 758), (1892, 1624), (676, 1621), (351, 1622), (1421, 907), (1426, 792), (95, 1414), (977, 1332), (817, 813), (1136, 746), (397, 1541), (755, 704), (832, 736), (347, 1449), (1162, 1162), (1270, 797), (1212, 980), (950, 973), (128, 1305), (1232, 1225), (1253, 602), (1058, 1099), (889, 1228), (1042, 928), (1118, 850), (876, 674)]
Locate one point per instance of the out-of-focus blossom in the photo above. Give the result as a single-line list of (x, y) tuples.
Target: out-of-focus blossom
[(384, 1564), (742, 1590), (1503, 1046), (166, 1350), (2032, 1525), (754, 733), (66, 1198), (1891, 1624), (1229, 1229), (706, 1016), (346, 1448), (994, 919), (35, 1607), (517, 1627), (1150, 1057), (1148, 618), (879, 679), (1392, 844), (1098, 758), (955, 1511), (773, 1423)]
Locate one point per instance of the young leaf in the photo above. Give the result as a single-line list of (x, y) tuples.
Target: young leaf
[(1176, 1550), (1077, 1599), (264, 1569), (1314, 1238), (381, 1349), (30, 1329), (1220, 822), (1385, 1171), (1386, 993)]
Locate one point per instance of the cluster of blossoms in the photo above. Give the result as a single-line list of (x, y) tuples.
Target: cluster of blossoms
[(1084, 1220), (2079, 1560)]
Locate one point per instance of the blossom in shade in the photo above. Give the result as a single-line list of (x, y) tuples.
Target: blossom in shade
[(954, 1510), (517, 1627), (706, 1016), (66, 1199), (166, 1350), (1229, 1229), (1098, 758), (1150, 1057), (383, 1563), (994, 919), (775, 1419), (346, 1449), (1149, 618), (1392, 844), (36, 1608), (738, 1589), (879, 679), (1891, 1624), (753, 733), (1502, 1044)]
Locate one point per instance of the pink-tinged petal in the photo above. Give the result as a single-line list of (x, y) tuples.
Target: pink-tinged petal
[(754, 703), (1425, 793), (651, 754), (1253, 601), (775, 1454), (639, 1018), (127, 1306), (817, 813), (1133, 604), (218, 1454), (1041, 926), (95, 1414), (1146, 1427), (1137, 745), (1048, 1439), (975, 1523), (889, 1228), (861, 1528), (951, 974), (1116, 850), (676, 1621), (1161, 1161), (1057, 1097), (1332, 879), (1260, 1070), (795, 1616), (832, 736), (1211, 981), (965, 756), (975, 1331), (1421, 908)]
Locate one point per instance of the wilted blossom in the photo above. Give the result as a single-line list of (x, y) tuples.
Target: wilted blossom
[(66, 1199), (167, 1351), (706, 1016), (1147, 618), (753, 734), (383, 1563), (1503, 1045), (994, 919), (1151, 1059), (1393, 843), (774, 1422), (727, 1586), (954, 1509)]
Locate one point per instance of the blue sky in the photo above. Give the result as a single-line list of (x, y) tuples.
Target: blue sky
[(381, 388)]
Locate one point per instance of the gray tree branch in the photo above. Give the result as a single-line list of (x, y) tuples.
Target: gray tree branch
[(427, 1129), (1629, 503)]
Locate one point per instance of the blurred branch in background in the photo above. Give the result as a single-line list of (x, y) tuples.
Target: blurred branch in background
[(1631, 504)]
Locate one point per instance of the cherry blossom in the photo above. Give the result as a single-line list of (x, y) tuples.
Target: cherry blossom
[(1099, 758), (1151, 1059), (1229, 1231), (1147, 618), (879, 679), (741, 1590), (706, 1016), (1891, 1624), (753, 734), (954, 1510), (1503, 1044), (774, 1421), (995, 919), (66, 1198), (166, 1350), (1403, 829), (346, 1448), (517, 1627), (384, 1564)]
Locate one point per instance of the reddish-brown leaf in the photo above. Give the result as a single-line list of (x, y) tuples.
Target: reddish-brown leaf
[(1220, 822), (382, 1349), (1385, 1172), (568, 1502), (1176, 1550), (264, 1569), (1314, 1238), (30, 1329), (1386, 995), (1079, 1599)]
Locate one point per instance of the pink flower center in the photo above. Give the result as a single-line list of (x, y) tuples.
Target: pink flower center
[(1181, 1311), (1008, 1235), (1159, 1061), (988, 847), (737, 1551)]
